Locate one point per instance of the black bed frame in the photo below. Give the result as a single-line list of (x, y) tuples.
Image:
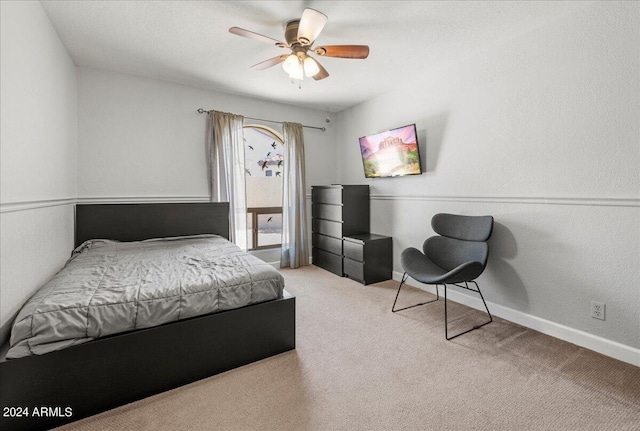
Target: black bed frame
[(90, 378)]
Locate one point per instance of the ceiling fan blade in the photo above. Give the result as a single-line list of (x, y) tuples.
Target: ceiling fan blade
[(311, 24), (255, 36), (322, 73), (343, 51), (269, 63)]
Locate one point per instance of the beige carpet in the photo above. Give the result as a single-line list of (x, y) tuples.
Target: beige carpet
[(358, 366)]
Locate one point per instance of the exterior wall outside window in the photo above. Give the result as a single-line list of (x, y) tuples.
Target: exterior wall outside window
[(264, 163)]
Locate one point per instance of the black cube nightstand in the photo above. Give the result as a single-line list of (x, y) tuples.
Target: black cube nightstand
[(368, 258)]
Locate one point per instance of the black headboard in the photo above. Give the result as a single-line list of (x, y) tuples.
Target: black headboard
[(137, 222)]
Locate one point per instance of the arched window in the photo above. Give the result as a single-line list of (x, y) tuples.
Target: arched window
[(264, 165)]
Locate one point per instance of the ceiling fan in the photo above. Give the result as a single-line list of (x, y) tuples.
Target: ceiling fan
[(300, 35)]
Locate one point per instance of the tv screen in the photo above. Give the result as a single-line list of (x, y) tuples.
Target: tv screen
[(392, 153)]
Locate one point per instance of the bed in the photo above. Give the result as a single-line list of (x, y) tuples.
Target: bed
[(48, 384)]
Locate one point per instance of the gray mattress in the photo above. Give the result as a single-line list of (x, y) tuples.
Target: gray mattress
[(109, 287)]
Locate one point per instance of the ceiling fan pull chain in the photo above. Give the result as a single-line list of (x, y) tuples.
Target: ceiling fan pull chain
[(293, 81)]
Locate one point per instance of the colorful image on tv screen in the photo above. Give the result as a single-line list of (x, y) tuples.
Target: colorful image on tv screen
[(391, 153)]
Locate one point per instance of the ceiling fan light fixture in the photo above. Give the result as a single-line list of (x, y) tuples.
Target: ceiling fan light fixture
[(291, 63), (296, 74), (297, 71), (310, 67)]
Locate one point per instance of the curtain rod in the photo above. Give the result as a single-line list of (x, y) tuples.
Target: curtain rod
[(202, 111)]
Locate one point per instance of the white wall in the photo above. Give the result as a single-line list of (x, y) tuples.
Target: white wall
[(38, 147), (543, 133), (141, 139)]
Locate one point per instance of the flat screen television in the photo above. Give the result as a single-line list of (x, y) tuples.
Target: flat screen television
[(393, 153)]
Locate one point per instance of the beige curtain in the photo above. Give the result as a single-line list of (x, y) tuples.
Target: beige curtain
[(226, 171), (295, 245)]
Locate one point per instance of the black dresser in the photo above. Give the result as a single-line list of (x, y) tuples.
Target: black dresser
[(341, 240), (337, 211)]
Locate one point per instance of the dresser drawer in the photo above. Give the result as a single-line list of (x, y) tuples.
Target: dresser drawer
[(353, 250), (326, 195), (327, 227), (329, 261), (354, 269), (327, 243), (327, 211)]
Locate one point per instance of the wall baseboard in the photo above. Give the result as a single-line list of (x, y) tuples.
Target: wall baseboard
[(601, 345)]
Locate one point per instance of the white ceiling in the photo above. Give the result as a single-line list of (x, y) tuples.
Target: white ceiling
[(188, 42)]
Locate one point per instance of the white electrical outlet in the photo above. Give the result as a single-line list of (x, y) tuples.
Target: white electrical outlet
[(597, 310)]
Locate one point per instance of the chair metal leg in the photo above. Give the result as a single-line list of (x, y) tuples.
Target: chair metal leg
[(466, 286), (404, 278)]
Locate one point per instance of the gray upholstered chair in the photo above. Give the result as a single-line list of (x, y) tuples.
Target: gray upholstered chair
[(456, 256)]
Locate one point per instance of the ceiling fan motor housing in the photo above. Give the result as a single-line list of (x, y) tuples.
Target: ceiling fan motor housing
[(291, 32)]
